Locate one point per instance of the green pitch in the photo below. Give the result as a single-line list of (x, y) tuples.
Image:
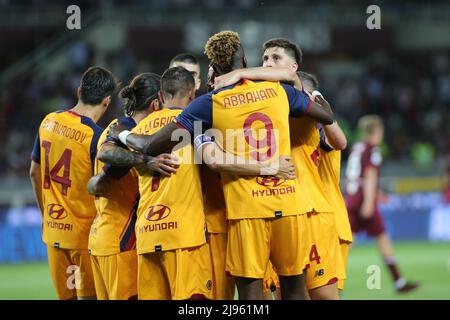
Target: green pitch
[(428, 263)]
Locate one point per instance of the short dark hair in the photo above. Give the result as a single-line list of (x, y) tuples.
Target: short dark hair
[(184, 57), (291, 49), (96, 84), (176, 82), (309, 77), (140, 92)]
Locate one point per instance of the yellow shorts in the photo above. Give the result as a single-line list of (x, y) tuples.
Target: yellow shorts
[(345, 248), (115, 276), (252, 242), (176, 274), (271, 280), (224, 285), (324, 253), (71, 272)]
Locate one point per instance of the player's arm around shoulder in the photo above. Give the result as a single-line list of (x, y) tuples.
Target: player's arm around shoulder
[(302, 103)]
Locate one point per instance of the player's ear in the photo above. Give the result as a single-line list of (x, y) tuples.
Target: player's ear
[(154, 105), (198, 83), (191, 94), (295, 66), (161, 96), (106, 101), (78, 93)]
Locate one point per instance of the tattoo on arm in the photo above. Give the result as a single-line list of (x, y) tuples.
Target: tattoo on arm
[(118, 156)]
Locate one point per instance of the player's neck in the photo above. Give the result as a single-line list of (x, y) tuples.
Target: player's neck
[(88, 111), (177, 103), (372, 141), (138, 116)]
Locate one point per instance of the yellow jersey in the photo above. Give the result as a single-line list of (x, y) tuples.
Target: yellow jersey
[(66, 147), (305, 140), (170, 213), (329, 170), (112, 231), (214, 202), (251, 120)]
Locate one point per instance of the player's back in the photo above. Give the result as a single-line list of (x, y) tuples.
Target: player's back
[(329, 170), (113, 228), (305, 144), (214, 202), (66, 149), (362, 156), (253, 119), (171, 213)]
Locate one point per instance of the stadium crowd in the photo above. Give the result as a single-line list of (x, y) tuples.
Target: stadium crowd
[(411, 92)]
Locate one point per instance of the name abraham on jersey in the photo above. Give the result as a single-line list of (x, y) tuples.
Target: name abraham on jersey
[(272, 185), (63, 130), (249, 97), (156, 213)]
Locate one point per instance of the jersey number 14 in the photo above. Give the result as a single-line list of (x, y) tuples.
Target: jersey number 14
[(62, 163)]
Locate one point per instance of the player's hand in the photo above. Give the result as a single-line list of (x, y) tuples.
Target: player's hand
[(286, 168), (227, 79), (165, 164), (366, 210), (115, 129)]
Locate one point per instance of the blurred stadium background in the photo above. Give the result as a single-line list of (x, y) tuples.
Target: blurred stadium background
[(401, 72)]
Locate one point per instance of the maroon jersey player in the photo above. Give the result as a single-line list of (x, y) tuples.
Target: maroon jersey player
[(362, 173)]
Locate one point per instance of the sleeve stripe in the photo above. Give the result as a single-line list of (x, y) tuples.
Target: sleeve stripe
[(35, 159), (309, 106), (180, 125)]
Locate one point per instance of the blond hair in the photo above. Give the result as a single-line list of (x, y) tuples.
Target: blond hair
[(368, 123), (221, 47)]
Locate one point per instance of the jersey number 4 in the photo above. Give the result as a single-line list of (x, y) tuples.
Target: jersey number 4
[(62, 163)]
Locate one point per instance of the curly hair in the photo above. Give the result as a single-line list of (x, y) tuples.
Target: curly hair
[(221, 47)]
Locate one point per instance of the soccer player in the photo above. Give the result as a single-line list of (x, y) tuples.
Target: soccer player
[(332, 141), (324, 264), (362, 173), (215, 210), (263, 213), (112, 240), (190, 63), (174, 260), (63, 160)]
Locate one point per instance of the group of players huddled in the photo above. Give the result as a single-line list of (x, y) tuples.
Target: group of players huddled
[(194, 197)]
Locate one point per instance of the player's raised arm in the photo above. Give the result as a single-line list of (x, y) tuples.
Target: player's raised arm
[(301, 104), (334, 136), (219, 160)]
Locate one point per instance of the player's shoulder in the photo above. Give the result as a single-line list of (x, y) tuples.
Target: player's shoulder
[(128, 122)]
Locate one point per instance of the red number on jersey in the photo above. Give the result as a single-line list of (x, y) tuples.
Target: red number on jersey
[(268, 141), (315, 157), (314, 254), (155, 181), (63, 163)]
